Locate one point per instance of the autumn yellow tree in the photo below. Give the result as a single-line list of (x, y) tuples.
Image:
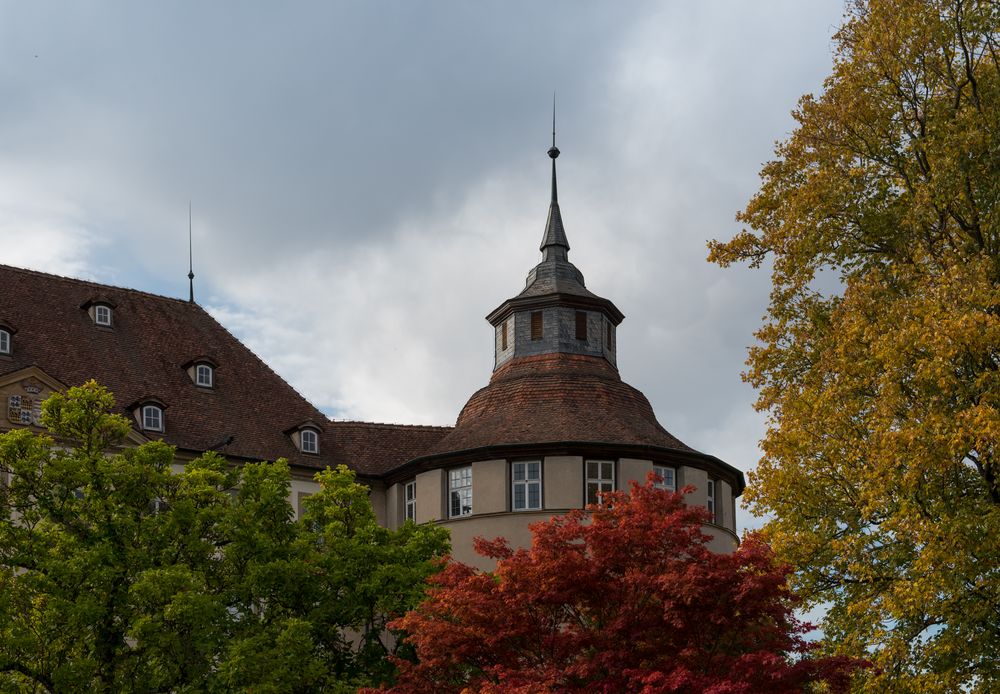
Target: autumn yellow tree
[(879, 358)]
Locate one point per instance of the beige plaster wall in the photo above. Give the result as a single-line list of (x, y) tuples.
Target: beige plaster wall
[(378, 498), (562, 481), (300, 486), (632, 469), (489, 486), (430, 495), (513, 526), (698, 479), (394, 511), (725, 505)]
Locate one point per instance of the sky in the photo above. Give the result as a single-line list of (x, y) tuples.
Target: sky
[(369, 179)]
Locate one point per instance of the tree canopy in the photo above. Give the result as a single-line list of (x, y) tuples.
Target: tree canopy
[(623, 598), (119, 574), (878, 358)]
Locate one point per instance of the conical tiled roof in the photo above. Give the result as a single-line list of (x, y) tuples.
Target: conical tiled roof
[(554, 398)]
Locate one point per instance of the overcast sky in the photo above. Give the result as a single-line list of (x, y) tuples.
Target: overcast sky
[(369, 179)]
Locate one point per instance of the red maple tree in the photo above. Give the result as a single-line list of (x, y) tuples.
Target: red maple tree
[(625, 597)]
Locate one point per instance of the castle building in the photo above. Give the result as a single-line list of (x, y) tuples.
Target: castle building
[(553, 429)]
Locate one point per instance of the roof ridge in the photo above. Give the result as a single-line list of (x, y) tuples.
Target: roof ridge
[(92, 283), (434, 427), (321, 415)]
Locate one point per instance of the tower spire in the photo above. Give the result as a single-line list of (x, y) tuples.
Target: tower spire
[(554, 246), (190, 258)]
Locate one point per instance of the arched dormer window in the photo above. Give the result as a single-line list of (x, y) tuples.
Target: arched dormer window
[(305, 436), (101, 311), (309, 441), (150, 415), (6, 339), (152, 418), (203, 375), (201, 371)]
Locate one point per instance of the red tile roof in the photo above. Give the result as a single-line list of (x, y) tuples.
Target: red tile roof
[(375, 449), (557, 398), (143, 356)]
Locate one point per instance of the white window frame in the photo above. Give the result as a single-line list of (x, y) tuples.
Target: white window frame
[(710, 499), (460, 492), (148, 423), (102, 314), (313, 435), (602, 483), (206, 369), (521, 480), (668, 477), (5, 341), (410, 501)]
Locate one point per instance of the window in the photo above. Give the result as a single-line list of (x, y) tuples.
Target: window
[(102, 314), (526, 485), (203, 375), (536, 325), (503, 335), (410, 501), (600, 479), (152, 418), (309, 441), (711, 499), (581, 325), (4, 341), (611, 335), (668, 477), (460, 492)]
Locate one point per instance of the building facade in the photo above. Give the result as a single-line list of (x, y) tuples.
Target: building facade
[(553, 429)]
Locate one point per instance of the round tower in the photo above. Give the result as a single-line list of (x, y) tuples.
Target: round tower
[(555, 426)]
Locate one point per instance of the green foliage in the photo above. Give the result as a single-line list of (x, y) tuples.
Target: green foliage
[(118, 573), (881, 470)]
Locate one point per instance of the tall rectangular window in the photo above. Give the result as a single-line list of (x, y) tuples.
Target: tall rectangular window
[(460, 492), (526, 485), (668, 477), (711, 500), (503, 335), (4, 342), (536, 325), (410, 501), (600, 479), (581, 325)]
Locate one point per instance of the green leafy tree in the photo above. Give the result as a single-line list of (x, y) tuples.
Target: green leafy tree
[(119, 574), (881, 472)]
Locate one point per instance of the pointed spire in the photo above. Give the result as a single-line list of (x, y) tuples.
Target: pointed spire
[(554, 246), (190, 258)]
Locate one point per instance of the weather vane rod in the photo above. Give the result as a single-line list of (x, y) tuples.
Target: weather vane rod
[(190, 258)]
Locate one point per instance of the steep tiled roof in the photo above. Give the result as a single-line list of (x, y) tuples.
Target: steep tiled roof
[(142, 356), (557, 398), (375, 449)]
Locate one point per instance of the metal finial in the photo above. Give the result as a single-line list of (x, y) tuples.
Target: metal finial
[(190, 258), (553, 150)]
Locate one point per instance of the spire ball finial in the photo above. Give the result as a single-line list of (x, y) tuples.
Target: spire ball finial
[(553, 151)]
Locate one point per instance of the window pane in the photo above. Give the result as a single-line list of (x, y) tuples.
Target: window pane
[(534, 471), (607, 471), (535, 495), (592, 469), (519, 471), (519, 496), (591, 492)]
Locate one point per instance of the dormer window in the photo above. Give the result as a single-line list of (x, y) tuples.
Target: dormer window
[(102, 315), (309, 441), (5, 341), (203, 375), (201, 371), (152, 418)]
